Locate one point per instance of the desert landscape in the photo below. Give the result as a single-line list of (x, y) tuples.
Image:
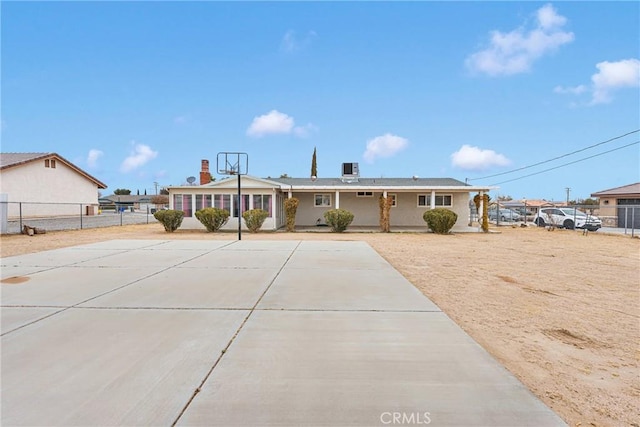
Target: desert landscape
[(559, 309)]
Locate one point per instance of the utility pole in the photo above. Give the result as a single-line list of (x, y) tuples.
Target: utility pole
[(156, 185), (568, 192)]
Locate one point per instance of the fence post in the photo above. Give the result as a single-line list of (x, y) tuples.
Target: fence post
[(147, 214), (120, 217), (4, 213), (633, 220), (20, 212), (80, 216)]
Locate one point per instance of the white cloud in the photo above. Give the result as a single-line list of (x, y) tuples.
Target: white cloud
[(275, 122), (138, 157), (612, 76), (385, 145), (516, 51), (573, 90), (93, 156), (291, 43), (304, 131), (474, 158)]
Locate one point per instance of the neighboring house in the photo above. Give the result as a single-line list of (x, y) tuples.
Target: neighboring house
[(127, 202), (532, 206), (620, 206), (46, 184), (412, 197)]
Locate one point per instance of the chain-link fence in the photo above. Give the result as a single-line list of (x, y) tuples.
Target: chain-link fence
[(67, 216), (623, 219)]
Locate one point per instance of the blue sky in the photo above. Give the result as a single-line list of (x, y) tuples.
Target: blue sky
[(140, 92)]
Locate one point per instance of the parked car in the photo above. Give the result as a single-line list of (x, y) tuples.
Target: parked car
[(504, 214), (568, 218)]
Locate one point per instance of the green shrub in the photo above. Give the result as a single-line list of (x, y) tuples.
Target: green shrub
[(290, 208), (338, 219), (170, 219), (254, 219), (440, 220), (212, 218)]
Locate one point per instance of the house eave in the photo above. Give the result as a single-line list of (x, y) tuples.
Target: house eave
[(349, 188), (411, 188)]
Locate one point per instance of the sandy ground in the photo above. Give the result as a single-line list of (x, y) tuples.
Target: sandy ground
[(558, 309)]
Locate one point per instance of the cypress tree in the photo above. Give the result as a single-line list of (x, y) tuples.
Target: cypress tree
[(314, 166)]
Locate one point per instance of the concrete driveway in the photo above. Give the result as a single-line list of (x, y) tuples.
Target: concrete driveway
[(142, 332)]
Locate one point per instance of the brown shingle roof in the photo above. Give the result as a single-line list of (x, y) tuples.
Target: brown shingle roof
[(618, 191)]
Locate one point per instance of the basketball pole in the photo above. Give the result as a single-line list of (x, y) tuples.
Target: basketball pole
[(239, 206), (226, 168)]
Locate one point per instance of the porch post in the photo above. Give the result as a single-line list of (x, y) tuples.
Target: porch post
[(433, 199), (337, 199), (480, 214)]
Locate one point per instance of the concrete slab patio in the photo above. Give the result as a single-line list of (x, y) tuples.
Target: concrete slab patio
[(157, 332)]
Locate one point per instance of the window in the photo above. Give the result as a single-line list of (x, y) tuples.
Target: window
[(441, 200), (262, 201), (53, 163), (46, 163), (323, 200), (245, 204), (203, 201), (444, 200), (222, 201), (364, 194), (182, 202), (394, 200)]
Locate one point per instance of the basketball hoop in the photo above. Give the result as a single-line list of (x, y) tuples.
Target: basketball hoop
[(232, 163)]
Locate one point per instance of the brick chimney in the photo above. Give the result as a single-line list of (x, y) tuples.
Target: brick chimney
[(205, 175)]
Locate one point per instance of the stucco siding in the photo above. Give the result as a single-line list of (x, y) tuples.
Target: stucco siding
[(366, 210), (44, 190), (308, 214)]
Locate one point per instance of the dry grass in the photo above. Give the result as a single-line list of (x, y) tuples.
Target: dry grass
[(558, 309)]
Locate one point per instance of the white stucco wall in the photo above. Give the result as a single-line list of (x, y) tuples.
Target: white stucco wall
[(366, 210), (47, 191)]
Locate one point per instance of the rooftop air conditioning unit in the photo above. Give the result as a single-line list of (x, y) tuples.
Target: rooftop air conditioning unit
[(350, 170)]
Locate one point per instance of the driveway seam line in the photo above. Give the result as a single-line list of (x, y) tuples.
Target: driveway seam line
[(224, 350), (112, 290)]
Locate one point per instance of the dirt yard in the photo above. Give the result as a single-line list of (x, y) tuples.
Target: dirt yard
[(558, 309)]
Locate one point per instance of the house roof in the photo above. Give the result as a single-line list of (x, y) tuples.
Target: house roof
[(533, 203), (379, 183), (11, 160), (631, 189), (128, 198), (359, 184), (372, 182)]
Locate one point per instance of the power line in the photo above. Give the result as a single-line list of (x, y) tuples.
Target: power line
[(567, 164), (556, 158)]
